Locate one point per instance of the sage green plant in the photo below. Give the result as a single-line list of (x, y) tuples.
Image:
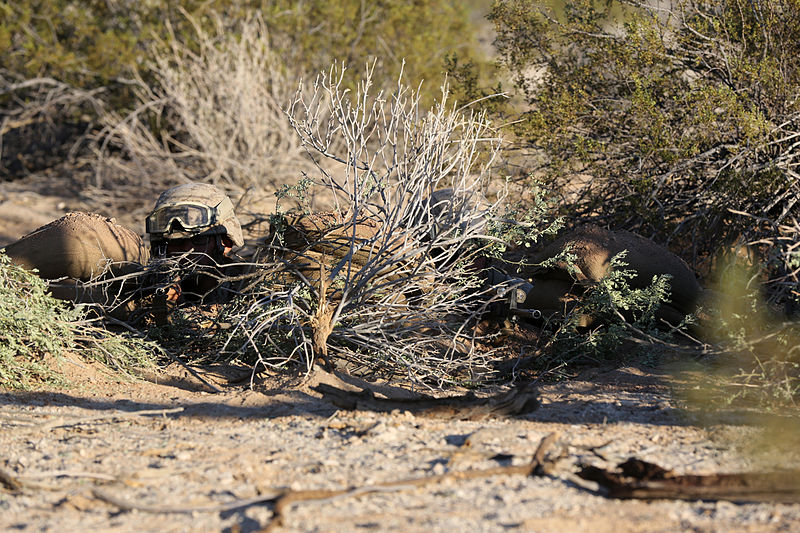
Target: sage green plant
[(675, 118), (758, 355), (35, 327), (607, 316)]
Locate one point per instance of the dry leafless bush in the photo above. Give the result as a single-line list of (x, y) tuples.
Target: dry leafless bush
[(385, 280), (41, 116), (214, 114), (776, 252)]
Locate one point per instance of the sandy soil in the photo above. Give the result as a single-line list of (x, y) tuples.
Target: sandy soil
[(113, 454)]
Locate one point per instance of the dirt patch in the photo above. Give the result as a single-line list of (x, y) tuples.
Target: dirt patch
[(184, 458)]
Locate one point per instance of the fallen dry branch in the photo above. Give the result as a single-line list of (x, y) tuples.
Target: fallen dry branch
[(519, 400), (638, 479), (534, 467), (62, 422), (68, 473), (16, 484), (126, 505), (9, 482), (285, 499)]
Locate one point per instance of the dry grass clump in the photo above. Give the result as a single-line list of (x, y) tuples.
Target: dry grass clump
[(42, 122), (214, 112)]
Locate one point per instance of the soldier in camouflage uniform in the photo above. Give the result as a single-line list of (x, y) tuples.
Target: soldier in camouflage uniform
[(197, 223), (82, 254)]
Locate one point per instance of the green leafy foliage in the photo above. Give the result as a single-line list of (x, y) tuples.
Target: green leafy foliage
[(609, 316), (760, 351), (678, 114), (89, 44), (413, 37), (35, 326), (97, 43), (612, 298), (680, 122), (474, 83), (519, 227)]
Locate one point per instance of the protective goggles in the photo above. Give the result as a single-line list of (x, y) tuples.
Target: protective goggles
[(189, 215)]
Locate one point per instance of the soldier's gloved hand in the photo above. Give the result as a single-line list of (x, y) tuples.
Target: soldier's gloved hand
[(173, 293)]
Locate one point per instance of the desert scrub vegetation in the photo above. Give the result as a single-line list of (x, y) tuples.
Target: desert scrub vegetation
[(69, 65), (391, 36), (612, 314), (98, 44), (756, 354), (383, 279), (219, 100), (65, 63), (34, 327), (677, 120), (220, 103), (681, 117)]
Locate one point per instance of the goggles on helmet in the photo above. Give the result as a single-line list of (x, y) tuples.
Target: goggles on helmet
[(190, 216)]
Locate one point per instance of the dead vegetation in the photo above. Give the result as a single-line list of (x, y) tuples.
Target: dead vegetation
[(383, 280), (215, 113), (642, 480)]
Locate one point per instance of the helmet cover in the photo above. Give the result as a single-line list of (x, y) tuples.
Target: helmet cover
[(198, 209), (468, 209)]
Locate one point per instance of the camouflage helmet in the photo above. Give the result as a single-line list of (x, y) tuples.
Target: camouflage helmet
[(193, 209)]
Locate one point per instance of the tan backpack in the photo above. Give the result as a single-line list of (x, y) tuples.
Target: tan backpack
[(77, 249)]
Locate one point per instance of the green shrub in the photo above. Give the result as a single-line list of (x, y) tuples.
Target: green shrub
[(758, 357), (679, 122), (390, 32), (96, 43), (35, 326), (89, 44), (610, 315), (682, 117)]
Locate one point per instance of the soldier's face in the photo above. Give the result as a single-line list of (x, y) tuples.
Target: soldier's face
[(200, 249), (199, 244)]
